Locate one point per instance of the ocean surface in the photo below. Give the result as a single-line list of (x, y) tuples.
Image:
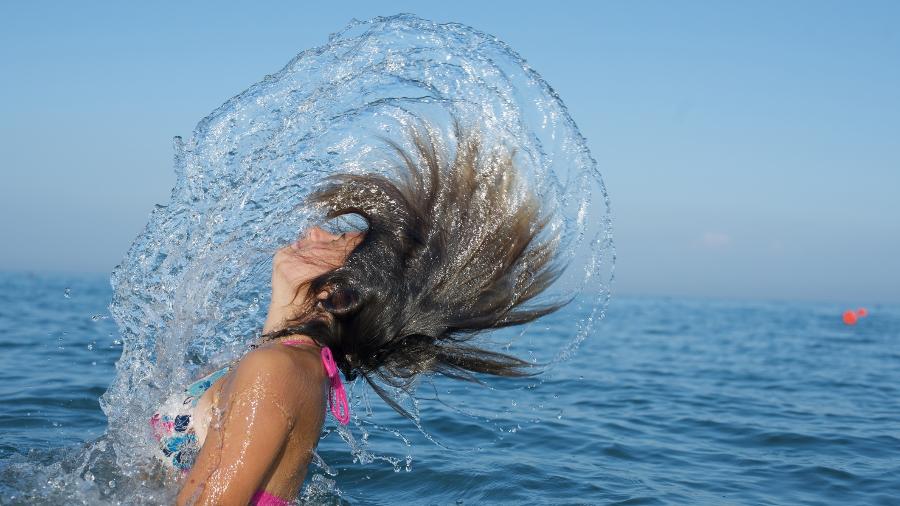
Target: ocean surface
[(668, 401)]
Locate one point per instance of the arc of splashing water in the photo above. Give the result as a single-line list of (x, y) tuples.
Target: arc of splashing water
[(187, 285)]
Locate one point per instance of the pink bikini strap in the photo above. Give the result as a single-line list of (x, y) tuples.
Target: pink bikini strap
[(337, 396)]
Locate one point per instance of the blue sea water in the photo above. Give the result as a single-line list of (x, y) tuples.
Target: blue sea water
[(668, 401)]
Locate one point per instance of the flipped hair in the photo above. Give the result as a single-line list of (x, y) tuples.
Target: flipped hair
[(452, 247)]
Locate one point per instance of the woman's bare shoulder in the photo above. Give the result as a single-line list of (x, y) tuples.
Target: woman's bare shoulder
[(294, 376)]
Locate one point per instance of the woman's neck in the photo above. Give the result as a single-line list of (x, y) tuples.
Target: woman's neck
[(288, 337), (294, 339)]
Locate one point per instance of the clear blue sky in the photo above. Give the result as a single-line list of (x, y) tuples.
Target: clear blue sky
[(750, 150)]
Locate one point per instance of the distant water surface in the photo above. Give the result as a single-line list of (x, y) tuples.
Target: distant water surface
[(671, 401)]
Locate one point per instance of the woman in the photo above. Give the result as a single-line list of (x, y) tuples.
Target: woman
[(452, 246)]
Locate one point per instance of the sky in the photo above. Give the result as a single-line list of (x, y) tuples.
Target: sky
[(750, 150)]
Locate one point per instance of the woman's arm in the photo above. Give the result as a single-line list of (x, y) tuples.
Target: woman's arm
[(248, 432)]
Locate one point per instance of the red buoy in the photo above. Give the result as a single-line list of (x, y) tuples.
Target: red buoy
[(862, 312), (850, 317)]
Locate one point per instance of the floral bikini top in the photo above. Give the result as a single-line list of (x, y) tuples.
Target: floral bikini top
[(172, 427)]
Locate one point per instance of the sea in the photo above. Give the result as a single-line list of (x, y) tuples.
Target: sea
[(669, 400)]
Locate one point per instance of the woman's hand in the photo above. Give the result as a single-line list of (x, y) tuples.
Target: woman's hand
[(312, 255)]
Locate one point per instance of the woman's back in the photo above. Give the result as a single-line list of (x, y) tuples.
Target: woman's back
[(263, 419)]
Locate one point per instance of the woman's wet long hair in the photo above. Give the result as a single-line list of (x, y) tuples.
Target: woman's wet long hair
[(452, 248)]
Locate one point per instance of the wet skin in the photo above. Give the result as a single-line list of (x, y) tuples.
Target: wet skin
[(260, 423)]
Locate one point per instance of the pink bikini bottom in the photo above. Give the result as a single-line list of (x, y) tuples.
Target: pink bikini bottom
[(263, 498)]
